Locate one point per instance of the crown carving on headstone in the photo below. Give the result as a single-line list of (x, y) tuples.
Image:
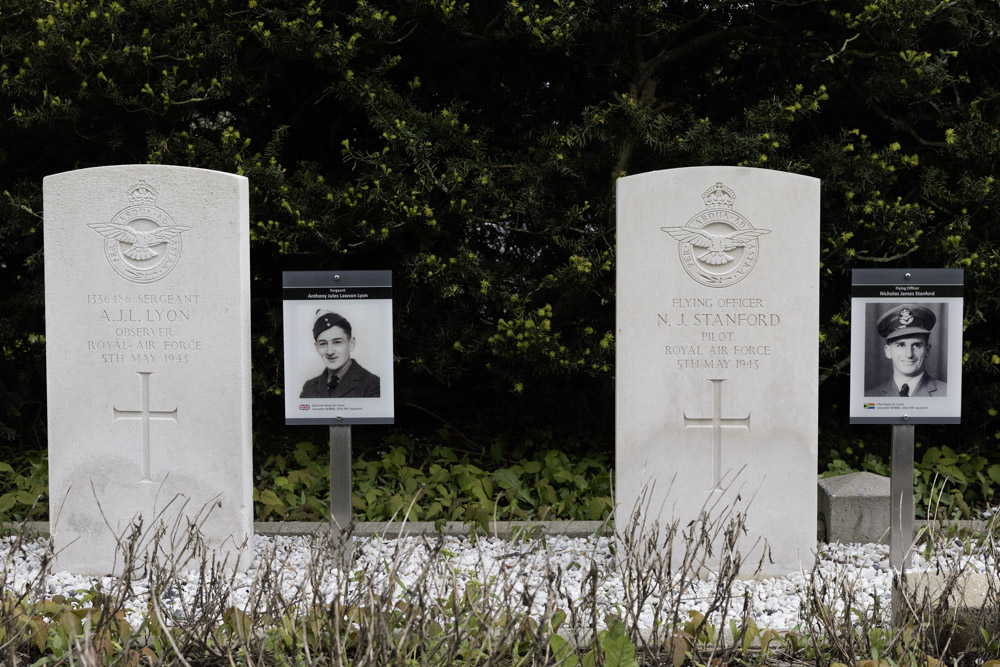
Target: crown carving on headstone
[(719, 196), (141, 193)]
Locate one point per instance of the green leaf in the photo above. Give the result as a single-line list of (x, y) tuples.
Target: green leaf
[(931, 457), (563, 476), (269, 497), (25, 498), (305, 453), (438, 475), (618, 650), (239, 622), (562, 651), (994, 472), (506, 478), (524, 495), (597, 506), (477, 491), (954, 473), (750, 633)]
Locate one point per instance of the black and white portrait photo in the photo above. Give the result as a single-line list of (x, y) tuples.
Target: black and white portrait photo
[(906, 346), (905, 350), (338, 347), (342, 376)]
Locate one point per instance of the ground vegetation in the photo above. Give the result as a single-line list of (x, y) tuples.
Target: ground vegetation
[(417, 601)]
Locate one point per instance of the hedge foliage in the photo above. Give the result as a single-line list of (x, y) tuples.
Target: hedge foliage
[(473, 148)]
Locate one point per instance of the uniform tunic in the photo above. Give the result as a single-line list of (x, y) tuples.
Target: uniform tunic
[(356, 383)]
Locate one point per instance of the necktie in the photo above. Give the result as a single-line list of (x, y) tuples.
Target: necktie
[(332, 384), (904, 390)]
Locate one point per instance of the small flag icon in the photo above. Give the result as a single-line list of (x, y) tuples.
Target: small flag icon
[(303, 406), (869, 406)]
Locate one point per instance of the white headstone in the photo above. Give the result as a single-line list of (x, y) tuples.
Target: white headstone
[(147, 321), (717, 354)]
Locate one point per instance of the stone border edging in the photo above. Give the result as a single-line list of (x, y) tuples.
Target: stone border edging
[(392, 529), (504, 529)]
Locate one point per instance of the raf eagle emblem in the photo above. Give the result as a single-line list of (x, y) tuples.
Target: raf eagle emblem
[(139, 240), (718, 244)]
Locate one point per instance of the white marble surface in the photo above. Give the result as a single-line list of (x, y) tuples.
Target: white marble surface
[(148, 358), (717, 353)]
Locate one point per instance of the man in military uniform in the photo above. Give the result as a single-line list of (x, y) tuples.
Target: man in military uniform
[(906, 330), (343, 377)]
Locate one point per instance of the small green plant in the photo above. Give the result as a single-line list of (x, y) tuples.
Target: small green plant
[(869, 463), (952, 483), (453, 488), (295, 488), (24, 483), (435, 483), (613, 646), (439, 485), (946, 484)]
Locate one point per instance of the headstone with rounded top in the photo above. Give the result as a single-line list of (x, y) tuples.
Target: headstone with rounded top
[(717, 356), (147, 314)]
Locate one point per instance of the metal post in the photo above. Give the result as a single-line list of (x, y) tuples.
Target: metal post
[(340, 489), (901, 502), (900, 511)]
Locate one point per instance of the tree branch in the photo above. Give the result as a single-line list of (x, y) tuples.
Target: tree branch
[(894, 121), (884, 260), (834, 370)]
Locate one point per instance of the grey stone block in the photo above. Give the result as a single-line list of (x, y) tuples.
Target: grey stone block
[(854, 508)]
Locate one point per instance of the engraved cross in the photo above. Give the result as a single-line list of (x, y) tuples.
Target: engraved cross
[(716, 422), (145, 415)]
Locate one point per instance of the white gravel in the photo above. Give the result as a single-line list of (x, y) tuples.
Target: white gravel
[(526, 573)]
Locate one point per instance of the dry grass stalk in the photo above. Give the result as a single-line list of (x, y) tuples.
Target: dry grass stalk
[(384, 611)]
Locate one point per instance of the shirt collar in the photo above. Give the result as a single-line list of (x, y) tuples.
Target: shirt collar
[(341, 373), (912, 383)]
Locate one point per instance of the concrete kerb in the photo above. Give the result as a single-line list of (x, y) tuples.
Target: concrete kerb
[(504, 529), (392, 529)]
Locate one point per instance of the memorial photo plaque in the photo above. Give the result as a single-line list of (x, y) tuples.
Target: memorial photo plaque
[(906, 346), (338, 347)]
